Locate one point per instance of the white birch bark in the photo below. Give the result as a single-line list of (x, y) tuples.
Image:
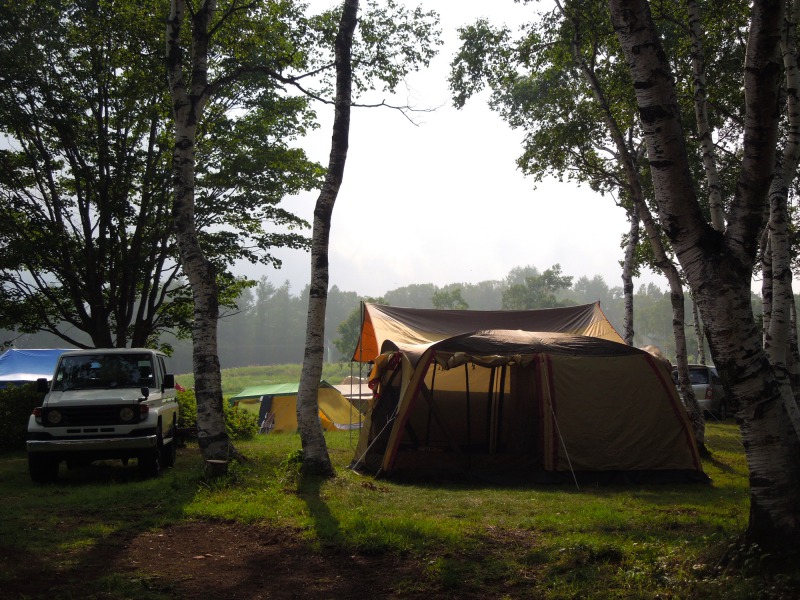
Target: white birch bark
[(701, 116), (766, 284), (718, 265), (627, 274), (188, 101), (776, 341), (315, 453), (698, 334)]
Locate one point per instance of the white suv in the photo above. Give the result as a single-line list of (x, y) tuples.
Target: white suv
[(105, 404)]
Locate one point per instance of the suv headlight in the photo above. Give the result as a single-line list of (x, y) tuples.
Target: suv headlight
[(54, 417), (127, 414)]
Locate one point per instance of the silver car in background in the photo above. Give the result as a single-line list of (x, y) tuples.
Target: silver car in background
[(708, 390)]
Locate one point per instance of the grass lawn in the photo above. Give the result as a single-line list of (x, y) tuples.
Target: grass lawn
[(465, 540)]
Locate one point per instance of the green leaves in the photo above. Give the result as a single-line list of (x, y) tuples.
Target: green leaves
[(86, 187), (538, 290)]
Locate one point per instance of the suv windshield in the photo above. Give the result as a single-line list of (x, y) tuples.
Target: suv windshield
[(104, 371)]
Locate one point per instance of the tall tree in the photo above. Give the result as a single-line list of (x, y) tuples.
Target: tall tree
[(88, 251), (393, 42), (84, 178), (239, 54), (315, 452), (189, 97), (718, 265)]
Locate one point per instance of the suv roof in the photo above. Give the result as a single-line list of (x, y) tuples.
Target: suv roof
[(112, 351)]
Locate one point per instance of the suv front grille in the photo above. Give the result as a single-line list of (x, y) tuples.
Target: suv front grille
[(82, 416)]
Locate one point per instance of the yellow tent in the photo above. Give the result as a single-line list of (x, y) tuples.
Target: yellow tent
[(278, 404)]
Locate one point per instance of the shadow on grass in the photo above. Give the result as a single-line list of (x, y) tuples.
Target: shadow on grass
[(326, 525), (723, 466), (62, 540)]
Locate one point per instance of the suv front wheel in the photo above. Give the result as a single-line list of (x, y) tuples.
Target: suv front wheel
[(169, 450), (43, 469)]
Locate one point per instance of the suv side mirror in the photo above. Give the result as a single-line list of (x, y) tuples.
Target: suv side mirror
[(42, 386), (169, 381)]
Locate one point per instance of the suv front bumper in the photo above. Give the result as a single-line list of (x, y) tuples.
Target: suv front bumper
[(94, 445)]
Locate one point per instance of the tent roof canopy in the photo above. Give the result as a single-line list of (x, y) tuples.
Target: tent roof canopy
[(273, 389), (406, 327)]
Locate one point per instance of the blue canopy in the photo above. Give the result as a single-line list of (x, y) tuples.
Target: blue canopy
[(28, 365)]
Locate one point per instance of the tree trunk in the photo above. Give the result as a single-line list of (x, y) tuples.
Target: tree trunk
[(701, 117), (628, 266), (766, 284), (776, 338), (315, 452), (699, 334), (794, 353), (188, 109), (718, 265)]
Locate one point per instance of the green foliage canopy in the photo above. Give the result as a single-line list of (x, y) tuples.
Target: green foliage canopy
[(538, 291), (85, 180)]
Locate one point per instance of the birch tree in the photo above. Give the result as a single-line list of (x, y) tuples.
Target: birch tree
[(240, 52), (189, 99), (718, 264), (392, 43), (315, 452)]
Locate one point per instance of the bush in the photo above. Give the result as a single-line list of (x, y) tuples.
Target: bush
[(16, 404), (187, 409), (240, 424)]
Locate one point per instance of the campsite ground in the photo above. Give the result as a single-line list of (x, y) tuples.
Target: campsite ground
[(104, 533), (209, 561)]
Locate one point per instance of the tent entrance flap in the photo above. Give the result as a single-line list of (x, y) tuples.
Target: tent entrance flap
[(442, 432)]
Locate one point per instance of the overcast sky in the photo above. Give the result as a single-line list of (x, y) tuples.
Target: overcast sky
[(443, 202)]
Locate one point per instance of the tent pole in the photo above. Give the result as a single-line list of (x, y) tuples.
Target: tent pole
[(489, 403), (360, 348), (500, 400), (564, 445), (430, 406), (469, 419), (469, 407)]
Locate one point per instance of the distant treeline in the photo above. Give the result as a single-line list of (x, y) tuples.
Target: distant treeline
[(269, 327)]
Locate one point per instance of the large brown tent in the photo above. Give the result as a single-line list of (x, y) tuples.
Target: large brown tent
[(510, 401)]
